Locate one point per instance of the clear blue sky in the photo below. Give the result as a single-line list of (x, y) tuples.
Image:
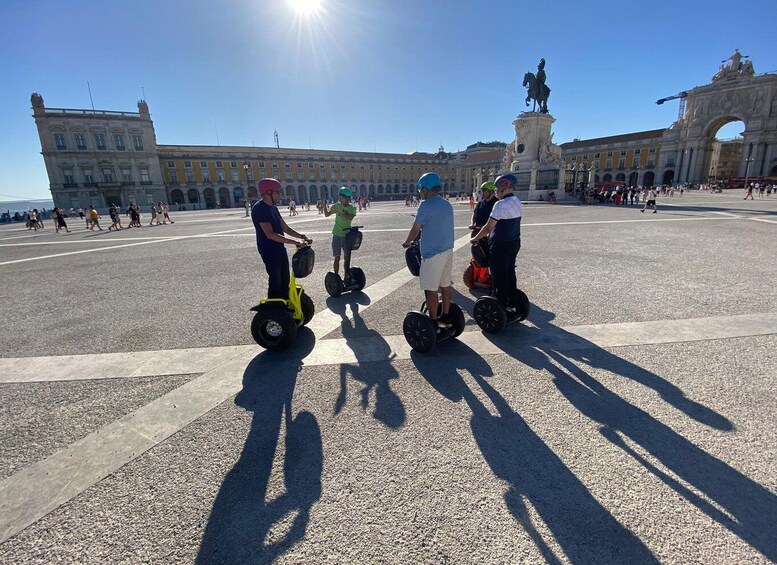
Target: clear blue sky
[(395, 75)]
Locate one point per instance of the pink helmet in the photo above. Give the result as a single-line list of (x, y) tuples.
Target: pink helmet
[(268, 185)]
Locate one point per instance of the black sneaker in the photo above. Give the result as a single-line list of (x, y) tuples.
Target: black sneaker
[(443, 324)]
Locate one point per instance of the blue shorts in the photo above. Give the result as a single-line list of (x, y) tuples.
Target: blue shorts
[(338, 246)]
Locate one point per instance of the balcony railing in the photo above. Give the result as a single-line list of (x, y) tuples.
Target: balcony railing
[(70, 185), (146, 183), (90, 185), (128, 183)]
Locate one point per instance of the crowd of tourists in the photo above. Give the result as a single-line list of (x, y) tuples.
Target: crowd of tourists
[(160, 215)]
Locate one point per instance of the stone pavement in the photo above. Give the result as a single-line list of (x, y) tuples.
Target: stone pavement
[(630, 419)]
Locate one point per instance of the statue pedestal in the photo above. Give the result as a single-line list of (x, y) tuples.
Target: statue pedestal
[(531, 130), (536, 156)]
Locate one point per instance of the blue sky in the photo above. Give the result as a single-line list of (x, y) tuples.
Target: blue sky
[(392, 75)]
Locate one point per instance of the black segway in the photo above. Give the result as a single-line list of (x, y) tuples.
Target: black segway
[(492, 316), (275, 323), (421, 332), (489, 313), (355, 279)]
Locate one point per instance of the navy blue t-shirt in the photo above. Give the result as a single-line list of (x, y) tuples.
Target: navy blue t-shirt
[(507, 212), (265, 213)]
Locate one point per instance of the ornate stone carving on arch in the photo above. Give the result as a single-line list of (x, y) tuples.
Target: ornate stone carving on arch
[(117, 130), (97, 129), (78, 129), (57, 127)]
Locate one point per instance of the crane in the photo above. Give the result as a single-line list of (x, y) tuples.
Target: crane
[(682, 96)]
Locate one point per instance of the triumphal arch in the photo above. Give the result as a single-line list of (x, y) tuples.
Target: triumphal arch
[(736, 93)]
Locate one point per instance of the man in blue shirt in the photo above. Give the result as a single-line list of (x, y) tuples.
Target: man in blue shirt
[(270, 239), (504, 235), (435, 217)]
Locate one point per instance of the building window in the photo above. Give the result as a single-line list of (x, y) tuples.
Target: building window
[(261, 164), (204, 164), (637, 151), (88, 178), (107, 175), (635, 162), (651, 161), (99, 141), (219, 165), (249, 175), (68, 176), (220, 176), (187, 164), (145, 178), (59, 139), (137, 142), (274, 164), (623, 153), (118, 141), (80, 141), (233, 164), (189, 176), (171, 164), (205, 176), (597, 155), (609, 153), (608, 164), (235, 176), (125, 175), (622, 163), (173, 177)]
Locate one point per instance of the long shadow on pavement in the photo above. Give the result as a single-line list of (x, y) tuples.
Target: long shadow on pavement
[(583, 528), (239, 526), (374, 376), (748, 509)]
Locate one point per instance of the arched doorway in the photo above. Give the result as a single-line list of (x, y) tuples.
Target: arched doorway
[(300, 196), (252, 192), (725, 152), (608, 177), (193, 195), (289, 191), (313, 193), (634, 179), (176, 196), (238, 192), (620, 177), (224, 199), (649, 179), (668, 177), (209, 195), (371, 192)]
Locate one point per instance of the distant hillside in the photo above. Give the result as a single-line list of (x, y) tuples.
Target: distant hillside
[(22, 205)]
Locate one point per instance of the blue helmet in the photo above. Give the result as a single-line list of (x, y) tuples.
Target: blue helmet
[(509, 179), (429, 181)]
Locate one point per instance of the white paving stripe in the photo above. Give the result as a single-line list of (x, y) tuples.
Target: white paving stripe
[(340, 350)]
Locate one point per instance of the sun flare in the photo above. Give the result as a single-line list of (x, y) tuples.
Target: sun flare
[(306, 7)]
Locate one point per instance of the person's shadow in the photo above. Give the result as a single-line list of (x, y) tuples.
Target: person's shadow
[(585, 530), (747, 509), (375, 377), (240, 523)]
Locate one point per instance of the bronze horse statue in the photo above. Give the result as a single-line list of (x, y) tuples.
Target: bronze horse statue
[(537, 91)]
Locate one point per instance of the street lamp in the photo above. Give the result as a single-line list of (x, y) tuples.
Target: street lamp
[(246, 166), (747, 169)]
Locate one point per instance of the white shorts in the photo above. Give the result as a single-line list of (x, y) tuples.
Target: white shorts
[(436, 271)]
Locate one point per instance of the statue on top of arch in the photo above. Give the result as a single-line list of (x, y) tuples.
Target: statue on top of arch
[(733, 67)]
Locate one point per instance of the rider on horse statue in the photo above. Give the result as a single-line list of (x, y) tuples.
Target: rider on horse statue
[(536, 88)]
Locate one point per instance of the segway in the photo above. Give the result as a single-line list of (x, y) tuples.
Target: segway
[(275, 323), (355, 279), (421, 332), (477, 275), (492, 316)]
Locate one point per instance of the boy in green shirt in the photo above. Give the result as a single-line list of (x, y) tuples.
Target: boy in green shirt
[(345, 213)]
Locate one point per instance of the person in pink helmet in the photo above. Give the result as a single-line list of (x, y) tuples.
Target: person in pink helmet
[(271, 233)]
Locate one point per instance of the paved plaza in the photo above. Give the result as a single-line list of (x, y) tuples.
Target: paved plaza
[(630, 419)]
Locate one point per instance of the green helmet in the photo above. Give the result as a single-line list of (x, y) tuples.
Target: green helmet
[(345, 191), (488, 185)]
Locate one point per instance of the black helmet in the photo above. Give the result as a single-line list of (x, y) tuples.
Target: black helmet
[(508, 178)]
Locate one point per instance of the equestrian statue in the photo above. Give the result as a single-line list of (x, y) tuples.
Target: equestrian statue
[(536, 89)]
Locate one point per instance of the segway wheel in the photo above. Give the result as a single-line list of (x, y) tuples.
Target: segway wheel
[(457, 318), (308, 308), (490, 315), (469, 277), (358, 277), (333, 284), (420, 332), (274, 328), (522, 305)]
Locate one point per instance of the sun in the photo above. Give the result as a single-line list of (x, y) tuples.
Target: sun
[(306, 7)]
